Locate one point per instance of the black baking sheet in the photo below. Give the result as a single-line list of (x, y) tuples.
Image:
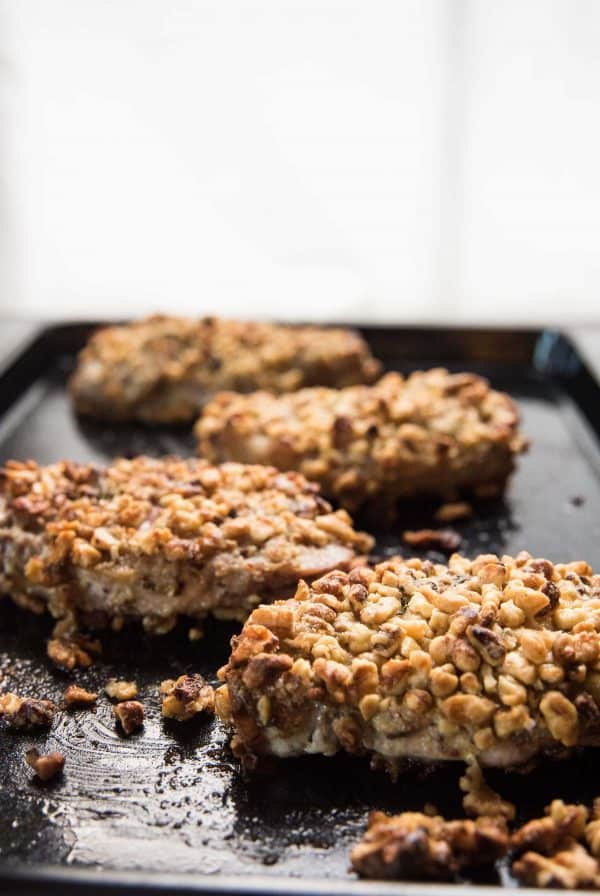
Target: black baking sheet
[(169, 808)]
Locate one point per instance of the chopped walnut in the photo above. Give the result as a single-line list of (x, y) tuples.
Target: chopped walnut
[(26, 712), (572, 868), (186, 697), (45, 766), (130, 715), (120, 690), (415, 846), (480, 798), (562, 824), (76, 651), (455, 510), (446, 540), (77, 697)]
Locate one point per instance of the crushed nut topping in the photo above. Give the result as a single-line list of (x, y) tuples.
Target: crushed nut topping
[(26, 712), (155, 538), (433, 432), (186, 696), (469, 660), (415, 846), (77, 697), (163, 369), (129, 715), (45, 766), (120, 690)]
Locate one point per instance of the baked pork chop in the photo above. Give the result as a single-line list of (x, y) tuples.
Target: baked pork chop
[(163, 369), (494, 660), (433, 433), (152, 539)]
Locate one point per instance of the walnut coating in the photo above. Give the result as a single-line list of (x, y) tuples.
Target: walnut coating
[(430, 433), (416, 846), (413, 659), (152, 539), (186, 696), (26, 713), (163, 369)]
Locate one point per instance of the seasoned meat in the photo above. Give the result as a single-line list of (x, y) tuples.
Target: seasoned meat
[(433, 433), (151, 539), (163, 369), (494, 659)]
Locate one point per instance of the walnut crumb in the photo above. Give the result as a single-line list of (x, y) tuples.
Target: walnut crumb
[(120, 690), (452, 511), (45, 766), (78, 697), (446, 540), (186, 697), (130, 715), (26, 712), (414, 846), (73, 652), (569, 869), (480, 798)]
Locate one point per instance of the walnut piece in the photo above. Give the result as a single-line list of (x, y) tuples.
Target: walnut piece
[(454, 510), (26, 712), (415, 846), (45, 766), (572, 868), (446, 540), (77, 697), (73, 652), (186, 697), (120, 690), (480, 798), (130, 716)]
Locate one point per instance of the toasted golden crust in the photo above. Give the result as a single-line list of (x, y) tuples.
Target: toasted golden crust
[(155, 538), (415, 846), (431, 433), (494, 659), (163, 369)]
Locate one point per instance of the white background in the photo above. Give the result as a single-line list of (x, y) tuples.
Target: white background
[(393, 160)]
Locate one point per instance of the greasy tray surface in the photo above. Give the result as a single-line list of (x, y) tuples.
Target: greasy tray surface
[(172, 799)]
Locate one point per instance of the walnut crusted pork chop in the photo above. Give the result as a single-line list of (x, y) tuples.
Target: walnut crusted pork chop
[(494, 660), (152, 538), (433, 433), (163, 369)]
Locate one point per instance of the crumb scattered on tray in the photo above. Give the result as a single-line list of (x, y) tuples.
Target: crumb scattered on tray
[(549, 851), (45, 766), (120, 690), (414, 846), (186, 697), (77, 697), (446, 540), (452, 511), (74, 652), (130, 716), (26, 712)]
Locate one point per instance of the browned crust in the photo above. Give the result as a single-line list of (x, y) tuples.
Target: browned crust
[(495, 658), (162, 369), (431, 433), (151, 539)]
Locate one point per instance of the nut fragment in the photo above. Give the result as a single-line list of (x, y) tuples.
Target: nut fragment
[(416, 846), (186, 697), (74, 652), (76, 696), (480, 798), (45, 766), (26, 712), (446, 540), (130, 715), (120, 690), (452, 511)]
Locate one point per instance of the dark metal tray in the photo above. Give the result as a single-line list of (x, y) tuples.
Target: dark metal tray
[(169, 810)]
